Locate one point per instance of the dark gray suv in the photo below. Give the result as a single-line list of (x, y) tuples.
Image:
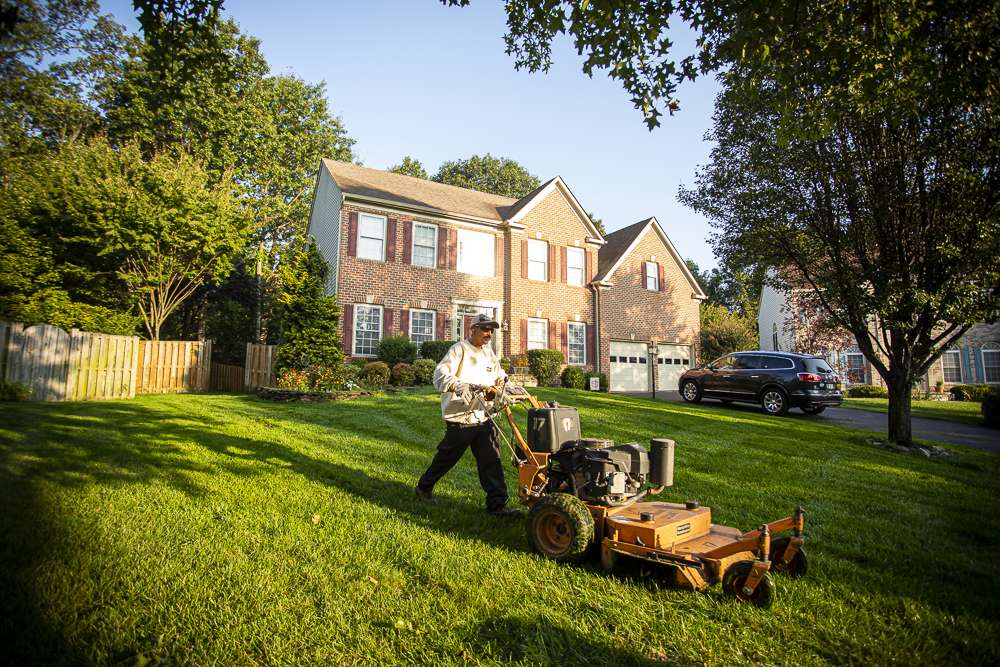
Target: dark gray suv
[(776, 380)]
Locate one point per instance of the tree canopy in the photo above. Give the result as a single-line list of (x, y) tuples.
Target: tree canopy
[(497, 175), (410, 167)]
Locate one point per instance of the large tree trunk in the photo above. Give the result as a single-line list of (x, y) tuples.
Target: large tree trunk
[(900, 428)]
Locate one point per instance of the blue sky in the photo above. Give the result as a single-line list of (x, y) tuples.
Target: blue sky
[(413, 77)]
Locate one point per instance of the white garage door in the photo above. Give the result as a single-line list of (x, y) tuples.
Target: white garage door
[(629, 367), (671, 362)]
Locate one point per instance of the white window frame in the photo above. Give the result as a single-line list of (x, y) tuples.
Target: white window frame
[(354, 337), (569, 344), (384, 222), (421, 311), (474, 265), (958, 364), (653, 281), (992, 348), (537, 266), (529, 345), (414, 246), (572, 269), (848, 368)]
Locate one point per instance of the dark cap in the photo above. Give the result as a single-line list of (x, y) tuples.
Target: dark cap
[(485, 322)]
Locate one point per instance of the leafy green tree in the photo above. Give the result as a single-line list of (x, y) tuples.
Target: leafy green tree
[(597, 223), (310, 318), (723, 332), (410, 167), (738, 290), (499, 176)]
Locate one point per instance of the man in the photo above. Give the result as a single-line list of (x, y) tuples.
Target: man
[(464, 374)]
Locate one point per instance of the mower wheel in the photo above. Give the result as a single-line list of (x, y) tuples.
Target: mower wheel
[(736, 576), (796, 567), (560, 527), (691, 392)]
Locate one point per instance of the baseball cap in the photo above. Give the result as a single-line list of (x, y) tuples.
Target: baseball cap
[(485, 322)]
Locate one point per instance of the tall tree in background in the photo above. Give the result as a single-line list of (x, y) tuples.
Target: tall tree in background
[(499, 176), (723, 332), (410, 167), (738, 290)]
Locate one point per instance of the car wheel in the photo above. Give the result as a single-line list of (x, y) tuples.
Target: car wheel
[(774, 401), (813, 409), (690, 392)]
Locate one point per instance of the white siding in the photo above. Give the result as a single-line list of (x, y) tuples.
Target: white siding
[(772, 313), (324, 223)]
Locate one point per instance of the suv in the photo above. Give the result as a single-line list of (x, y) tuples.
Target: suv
[(776, 380)]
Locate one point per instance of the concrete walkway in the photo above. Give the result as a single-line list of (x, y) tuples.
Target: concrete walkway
[(954, 433)]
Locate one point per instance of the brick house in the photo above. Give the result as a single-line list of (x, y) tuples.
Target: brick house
[(411, 256)]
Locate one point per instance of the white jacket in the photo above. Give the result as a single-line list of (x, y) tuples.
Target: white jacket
[(466, 364)]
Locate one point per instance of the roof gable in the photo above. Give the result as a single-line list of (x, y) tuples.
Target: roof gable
[(517, 212), (620, 245)]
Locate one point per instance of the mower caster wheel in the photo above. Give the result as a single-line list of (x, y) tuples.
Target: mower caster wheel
[(796, 567), (736, 576), (560, 527)]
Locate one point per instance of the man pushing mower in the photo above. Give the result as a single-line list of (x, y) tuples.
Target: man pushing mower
[(465, 377)]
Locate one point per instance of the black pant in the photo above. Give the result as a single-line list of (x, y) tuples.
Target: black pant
[(485, 444)]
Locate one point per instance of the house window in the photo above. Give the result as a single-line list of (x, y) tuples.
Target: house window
[(855, 367), (538, 334), (424, 251), (652, 276), (371, 236), (538, 260), (421, 326), (577, 344), (991, 363), (476, 252), (951, 366), (367, 330), (574, 266)]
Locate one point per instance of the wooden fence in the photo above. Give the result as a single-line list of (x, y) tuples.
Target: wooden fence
[(259, 366), (226, 377), (99, 366), (170, 366)]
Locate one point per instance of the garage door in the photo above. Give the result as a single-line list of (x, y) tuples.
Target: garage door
[(629, 370), (671, 362)]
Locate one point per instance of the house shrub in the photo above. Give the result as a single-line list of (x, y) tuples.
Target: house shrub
[(403, 375), (991, 408), (360, 362), (867, 391), (309, 317), (14, 391), (294, 379), (375, 374), (423, 369), (397, 349), (574, 378), (602, 378), (435, 349), (333, 378), (505, 364), (969, 392), (545, 365)]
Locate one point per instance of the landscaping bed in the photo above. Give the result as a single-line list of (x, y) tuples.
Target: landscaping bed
[(206, 529)]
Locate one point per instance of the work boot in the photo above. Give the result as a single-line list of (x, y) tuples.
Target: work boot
[(505, 512), (423, 494)]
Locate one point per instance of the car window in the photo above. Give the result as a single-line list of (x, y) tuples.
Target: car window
[(817, 365), (724, 363), (775, 363), (748, 362)]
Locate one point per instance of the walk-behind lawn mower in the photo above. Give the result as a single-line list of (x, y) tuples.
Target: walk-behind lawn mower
[(585, 493)]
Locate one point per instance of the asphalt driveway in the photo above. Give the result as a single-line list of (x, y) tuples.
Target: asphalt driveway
[(936, 430)]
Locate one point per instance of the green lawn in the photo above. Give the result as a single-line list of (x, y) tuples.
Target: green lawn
[(225, 529), (966, 412)]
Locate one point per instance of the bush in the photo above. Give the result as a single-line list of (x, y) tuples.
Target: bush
[(397, 350), (435, 349), (969, 392), (991, 408), (424, 370), (13, 391), (359, 362), (375, 374), (333, 378), (505, 364), (294, 379), (574, 378), (867, 391), (545, 365), (602, 378), (403, 375)]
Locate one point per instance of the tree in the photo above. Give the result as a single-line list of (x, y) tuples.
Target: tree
[(737, 290), (597, 223), (310, 318), (410, 167), (813, 330), (499, 176), (723, 332)]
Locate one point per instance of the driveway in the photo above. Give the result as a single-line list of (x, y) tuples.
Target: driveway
[(936, 430)]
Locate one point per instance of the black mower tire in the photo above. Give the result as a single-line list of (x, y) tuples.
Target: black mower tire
[(813, 409), (774, 401), (732, 585), (691, 392), (560, 528), (797, 567)]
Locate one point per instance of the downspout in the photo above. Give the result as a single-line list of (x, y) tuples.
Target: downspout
[(597, 327)]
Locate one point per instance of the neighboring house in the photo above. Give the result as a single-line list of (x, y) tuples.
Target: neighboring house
[(412, 256)]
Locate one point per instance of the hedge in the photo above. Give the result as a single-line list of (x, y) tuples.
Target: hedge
[(435, 349), (545, 365), (969, 392), (867, 391)]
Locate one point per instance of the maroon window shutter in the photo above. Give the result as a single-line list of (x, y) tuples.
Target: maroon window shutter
[(352, 234), (439, 333), (452, 248), (349, 328), (386, 322), (659, 268), (552, 335), (564, 339), (552, 263), (404, 321), (497, 257), (642, 267), (408, 242), (587, 266), (562, 264), (524, 335), (442, 248), (524, 258), (390, 240), (590, 344)]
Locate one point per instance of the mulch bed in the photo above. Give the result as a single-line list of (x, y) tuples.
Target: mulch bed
[(275, 394)]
